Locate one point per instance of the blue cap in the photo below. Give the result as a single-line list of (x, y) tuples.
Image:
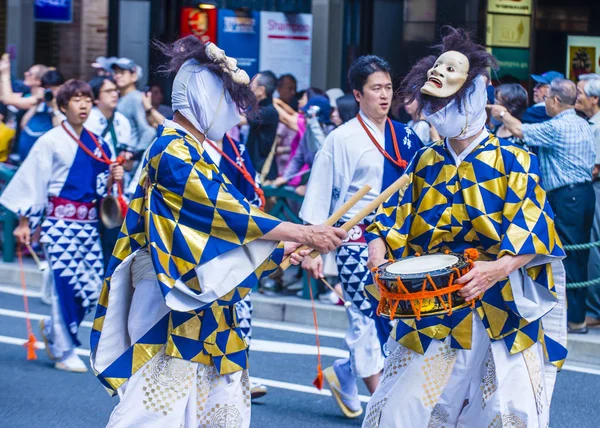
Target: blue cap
[(324, 107), (547, 77)]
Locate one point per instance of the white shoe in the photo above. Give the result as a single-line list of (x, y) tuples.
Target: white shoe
[(71, 363), (257, 390)]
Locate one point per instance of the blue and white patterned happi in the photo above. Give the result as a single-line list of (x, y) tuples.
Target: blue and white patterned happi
[(243, 309), (75, 256)]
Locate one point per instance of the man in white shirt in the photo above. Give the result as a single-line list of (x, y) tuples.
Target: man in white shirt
[(369, 150)]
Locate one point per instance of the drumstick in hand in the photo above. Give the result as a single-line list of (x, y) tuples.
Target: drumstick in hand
[(396, 186), (332, 220)]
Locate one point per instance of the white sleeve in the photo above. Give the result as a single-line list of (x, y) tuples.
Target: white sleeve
[(27, 193)]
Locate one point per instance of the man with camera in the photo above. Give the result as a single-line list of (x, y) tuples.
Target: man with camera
[(43, 116)]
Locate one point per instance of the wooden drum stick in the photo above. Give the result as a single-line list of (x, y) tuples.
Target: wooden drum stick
[(338, 214), (396, 186)]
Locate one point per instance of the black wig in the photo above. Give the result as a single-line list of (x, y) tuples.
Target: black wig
[(191, 47), (454, 39)]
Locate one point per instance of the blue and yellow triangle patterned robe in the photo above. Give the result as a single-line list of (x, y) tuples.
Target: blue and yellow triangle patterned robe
[(203, 240), (493, 202)]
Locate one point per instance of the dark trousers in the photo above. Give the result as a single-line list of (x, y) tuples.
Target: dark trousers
[(573, 208), (108, 239)]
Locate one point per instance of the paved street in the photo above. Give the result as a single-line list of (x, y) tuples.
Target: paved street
[(33, 394)]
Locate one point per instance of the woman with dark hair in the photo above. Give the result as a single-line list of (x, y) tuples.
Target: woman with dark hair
[(492, 359), (347, 107), (61, 181), (514, 98), (165, 332)]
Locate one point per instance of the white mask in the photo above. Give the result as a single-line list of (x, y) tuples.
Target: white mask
[(451, 123), (200, 97), (447, 76)]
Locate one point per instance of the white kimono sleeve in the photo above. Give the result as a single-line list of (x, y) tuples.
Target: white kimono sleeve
[(26, 194)]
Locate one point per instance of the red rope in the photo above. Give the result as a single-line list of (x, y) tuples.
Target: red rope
[(398, 161), (31, 340), (318, 382), (241, 168)]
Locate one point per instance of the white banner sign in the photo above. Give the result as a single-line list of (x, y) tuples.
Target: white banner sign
[(583, 56), (286, 45)]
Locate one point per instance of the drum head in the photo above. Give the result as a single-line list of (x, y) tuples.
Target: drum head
[(422, 265)]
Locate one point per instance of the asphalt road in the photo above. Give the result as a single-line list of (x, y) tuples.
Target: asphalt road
[(34, 394)]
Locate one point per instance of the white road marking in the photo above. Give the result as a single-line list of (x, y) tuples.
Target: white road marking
[(268, 382), (258, 345), (19, 291), (300, 388), (581, 369), (272, 325)]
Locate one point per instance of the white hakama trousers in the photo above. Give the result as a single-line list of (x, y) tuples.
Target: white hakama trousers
[(483, 387), (171, 392)]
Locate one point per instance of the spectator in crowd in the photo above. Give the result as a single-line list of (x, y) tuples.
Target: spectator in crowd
[(513, 97), (588, 102), (333, 94), (105, 120), (157, 98), (317, 112), (103, 65), (42, 117), (347, 108), (426, 133), (33, 80), (126, 75), (286, 88), (296, 122), (114, 128), (263, 127), (537, 112), (153, 116), (566, 151)]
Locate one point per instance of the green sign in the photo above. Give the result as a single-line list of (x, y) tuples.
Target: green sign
[(512, 61)]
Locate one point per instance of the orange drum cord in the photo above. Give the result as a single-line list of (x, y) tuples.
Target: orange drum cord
[(394, 298)]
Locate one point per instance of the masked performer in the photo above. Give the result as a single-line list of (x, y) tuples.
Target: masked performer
[(369, 149), (165, 336), (63, 177), (495, 364)]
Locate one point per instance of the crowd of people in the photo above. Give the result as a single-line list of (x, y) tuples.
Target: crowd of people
[(324, 146)]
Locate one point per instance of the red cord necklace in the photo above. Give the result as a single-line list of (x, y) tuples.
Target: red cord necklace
[(241, 168), (399, 162)]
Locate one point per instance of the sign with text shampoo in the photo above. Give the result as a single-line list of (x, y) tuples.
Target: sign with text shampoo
[(286, 45), (60, 11), (239, 37)]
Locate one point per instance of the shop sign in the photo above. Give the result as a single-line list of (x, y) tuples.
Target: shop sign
[(201, 23), (508, 30), (511, 7), (60, 11)]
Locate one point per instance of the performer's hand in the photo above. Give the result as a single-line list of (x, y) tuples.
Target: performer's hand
[(325, 238), (295, 258), (23, 234), (314, 267), (479, 279), (117, 172)]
